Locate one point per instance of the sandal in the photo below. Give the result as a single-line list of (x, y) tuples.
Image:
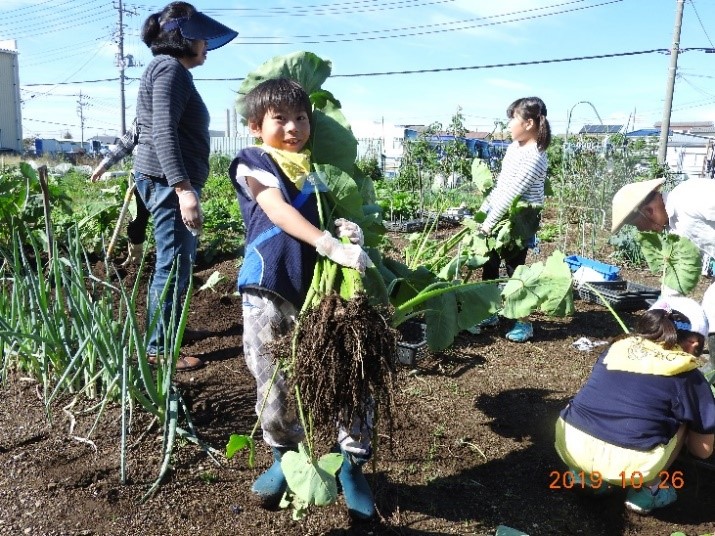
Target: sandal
[(185, 363)]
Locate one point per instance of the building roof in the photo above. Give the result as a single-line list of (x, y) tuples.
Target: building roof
[(104, 140), (600, 129), (687, 125)]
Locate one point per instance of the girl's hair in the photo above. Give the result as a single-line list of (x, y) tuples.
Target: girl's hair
[(659, 326), (533, 108), (276, 94), (169, 42)]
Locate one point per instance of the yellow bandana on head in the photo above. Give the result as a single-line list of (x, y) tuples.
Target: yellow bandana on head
[(635, 354), (296, 166)]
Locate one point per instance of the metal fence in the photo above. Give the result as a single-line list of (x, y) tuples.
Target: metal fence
[(367, 147)]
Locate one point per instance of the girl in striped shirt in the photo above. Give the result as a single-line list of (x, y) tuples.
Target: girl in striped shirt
[(522, 176)]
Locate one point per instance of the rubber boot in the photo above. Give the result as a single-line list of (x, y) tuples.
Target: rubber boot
[(271, 485), (135, 253), (356, 490)]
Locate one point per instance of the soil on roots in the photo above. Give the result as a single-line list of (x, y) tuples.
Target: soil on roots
[(343, 364)]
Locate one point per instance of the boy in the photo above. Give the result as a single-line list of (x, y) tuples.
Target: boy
[(282, 243)]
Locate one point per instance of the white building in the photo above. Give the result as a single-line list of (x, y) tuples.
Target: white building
[(10, 114)]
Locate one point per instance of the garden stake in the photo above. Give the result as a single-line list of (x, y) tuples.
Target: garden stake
[(122, 216)]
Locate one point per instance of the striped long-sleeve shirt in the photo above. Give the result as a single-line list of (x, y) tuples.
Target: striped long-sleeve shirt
[(173, 124), (523, 175), (125, 146)]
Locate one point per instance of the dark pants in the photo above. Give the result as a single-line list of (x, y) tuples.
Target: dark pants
[(490, 270), (136, 228)]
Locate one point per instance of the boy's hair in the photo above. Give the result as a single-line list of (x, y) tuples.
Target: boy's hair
[(659, 325), (533, 108), (171, 42), (276, 94)]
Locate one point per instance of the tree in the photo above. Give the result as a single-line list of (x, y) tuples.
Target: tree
[(67, 135)]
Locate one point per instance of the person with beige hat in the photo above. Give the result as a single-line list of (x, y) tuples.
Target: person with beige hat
[(687, 210)]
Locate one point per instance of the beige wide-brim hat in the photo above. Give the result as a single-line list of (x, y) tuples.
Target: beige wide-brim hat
[(627, 200)]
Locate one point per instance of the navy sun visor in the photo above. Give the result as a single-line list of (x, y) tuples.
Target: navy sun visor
[(200, 26)]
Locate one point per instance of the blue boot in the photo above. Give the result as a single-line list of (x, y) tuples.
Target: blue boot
[(356, 490), (271, 485)]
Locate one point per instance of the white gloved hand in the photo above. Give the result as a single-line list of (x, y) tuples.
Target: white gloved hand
[(350, 255), (191, 212), (347, 229)]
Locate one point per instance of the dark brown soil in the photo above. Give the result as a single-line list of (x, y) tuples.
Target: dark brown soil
[(472, 447)]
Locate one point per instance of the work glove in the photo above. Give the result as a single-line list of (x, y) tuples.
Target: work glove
[(350, 255), (191, 213), (347, 229)]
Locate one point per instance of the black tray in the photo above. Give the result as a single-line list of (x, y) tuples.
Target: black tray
[(621, 295)]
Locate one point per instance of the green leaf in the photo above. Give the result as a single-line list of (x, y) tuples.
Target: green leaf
[(310, 481), (477, 303), (676, 257), (482, 176), (441, 318), (333, 141), (547, 287), (306, 68), (239, 442)]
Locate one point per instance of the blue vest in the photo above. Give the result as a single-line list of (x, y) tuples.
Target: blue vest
[(274, 260)]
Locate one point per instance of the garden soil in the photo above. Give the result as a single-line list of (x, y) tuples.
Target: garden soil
[(472, 447)]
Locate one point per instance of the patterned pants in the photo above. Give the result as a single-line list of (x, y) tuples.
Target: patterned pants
[(265, 318)]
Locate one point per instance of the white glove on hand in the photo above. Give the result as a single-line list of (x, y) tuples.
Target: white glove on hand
[(191, 212), (350, 255), (347, 229)]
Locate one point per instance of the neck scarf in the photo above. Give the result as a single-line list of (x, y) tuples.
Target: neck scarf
[(296, 166), (635, 354)]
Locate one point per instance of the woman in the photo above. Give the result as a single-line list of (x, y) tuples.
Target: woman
[(172, 159), (644, 400)]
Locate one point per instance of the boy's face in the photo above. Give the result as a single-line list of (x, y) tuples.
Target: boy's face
[(281, 129)]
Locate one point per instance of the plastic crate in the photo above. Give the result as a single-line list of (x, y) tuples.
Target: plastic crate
[(621, 295), (608, 271), (407, 349)]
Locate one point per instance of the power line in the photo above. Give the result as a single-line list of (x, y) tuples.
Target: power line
[(692, 3), (466, 26), (328, 9)]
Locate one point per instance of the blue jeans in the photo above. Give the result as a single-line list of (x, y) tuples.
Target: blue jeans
[(174, 243)]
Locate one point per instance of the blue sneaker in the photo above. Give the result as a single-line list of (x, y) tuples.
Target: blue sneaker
[(643, 501), (521, 332), (270, 486)]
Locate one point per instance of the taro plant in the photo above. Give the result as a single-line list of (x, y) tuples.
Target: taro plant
[(447, 303)]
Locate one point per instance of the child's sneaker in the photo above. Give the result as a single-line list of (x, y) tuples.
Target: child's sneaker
[(521, 332), (642, 501)]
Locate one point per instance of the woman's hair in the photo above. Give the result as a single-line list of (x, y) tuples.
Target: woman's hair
[(171, 42), (658, 325), (276, 94), (533, 108)]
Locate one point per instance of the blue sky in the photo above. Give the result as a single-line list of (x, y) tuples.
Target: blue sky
[(68, 48)]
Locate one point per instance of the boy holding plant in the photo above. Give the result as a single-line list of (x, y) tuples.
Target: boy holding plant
[(283, 240)]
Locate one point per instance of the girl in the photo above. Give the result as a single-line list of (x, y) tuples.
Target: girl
[(523, 175), (644, 400)]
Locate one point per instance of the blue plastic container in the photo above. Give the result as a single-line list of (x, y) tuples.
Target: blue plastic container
[(608, 271)]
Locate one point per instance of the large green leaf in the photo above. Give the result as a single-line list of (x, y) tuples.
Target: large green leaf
[(675, 257), (546, 287), (482, 177), (477, 303), (332, 140), (306, 68), (441, 317), (312, 482)]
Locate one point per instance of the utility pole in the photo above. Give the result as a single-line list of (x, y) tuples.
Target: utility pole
[(81, 103), (670, 88), (123, 62)]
